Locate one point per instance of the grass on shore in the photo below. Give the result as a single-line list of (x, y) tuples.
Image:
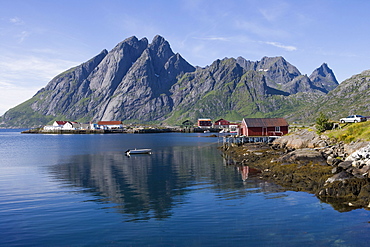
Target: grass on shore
[(351, 132)]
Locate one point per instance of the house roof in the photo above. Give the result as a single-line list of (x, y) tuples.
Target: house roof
[(187, 122), (265, 122), (110, 122), (61, 122), (221, 120)]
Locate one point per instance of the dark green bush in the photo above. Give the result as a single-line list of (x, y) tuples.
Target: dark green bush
[(323, 123)]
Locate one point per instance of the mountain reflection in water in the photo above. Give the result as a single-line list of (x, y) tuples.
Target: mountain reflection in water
[(150, 186)]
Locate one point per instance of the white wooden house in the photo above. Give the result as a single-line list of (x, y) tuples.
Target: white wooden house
[(68, 126), (63, 125)]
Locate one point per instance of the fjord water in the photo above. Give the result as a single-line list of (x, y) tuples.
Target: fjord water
[(82, 190)]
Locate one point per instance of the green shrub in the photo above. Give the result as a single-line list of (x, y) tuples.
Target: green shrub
[(323, 123)]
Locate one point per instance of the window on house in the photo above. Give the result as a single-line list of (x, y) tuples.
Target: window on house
[(277, 128)]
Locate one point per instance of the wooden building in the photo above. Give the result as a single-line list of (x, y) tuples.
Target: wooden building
[(263, 127), (221, 124), (110, 124), (204, 123)]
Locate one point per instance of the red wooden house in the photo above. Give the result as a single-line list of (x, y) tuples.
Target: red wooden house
[(263, 127), (221, 123), (204, 123)]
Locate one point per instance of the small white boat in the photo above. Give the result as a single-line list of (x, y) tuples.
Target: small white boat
[(139, 151)]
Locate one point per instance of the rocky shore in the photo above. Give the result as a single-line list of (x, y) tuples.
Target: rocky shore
[(335, 172)]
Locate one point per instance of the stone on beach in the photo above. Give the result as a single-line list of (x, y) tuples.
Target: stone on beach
[(304, 155)]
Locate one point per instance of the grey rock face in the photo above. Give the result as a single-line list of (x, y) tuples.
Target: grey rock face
[(108, 75), (141, 81), (277, 70), (281, 75), (324, 78), (301, 84), (143, 91), (348, 98), (66, 89)]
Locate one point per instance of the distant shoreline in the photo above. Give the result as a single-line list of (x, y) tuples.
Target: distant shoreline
[(121, 131)]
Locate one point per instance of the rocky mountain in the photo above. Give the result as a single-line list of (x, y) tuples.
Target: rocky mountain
[(138, 81), (324, 78), (349, 98)]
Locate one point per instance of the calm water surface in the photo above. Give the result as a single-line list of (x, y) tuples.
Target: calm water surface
[(81, 190)]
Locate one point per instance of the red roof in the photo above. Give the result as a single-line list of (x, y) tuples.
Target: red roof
[(265, 122), (61, 122), (222, 121), (110, 122)]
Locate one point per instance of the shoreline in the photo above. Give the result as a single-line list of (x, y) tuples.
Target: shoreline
[(121, 131), (336, 181)]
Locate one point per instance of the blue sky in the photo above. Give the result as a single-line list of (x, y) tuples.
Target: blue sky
[(42, 38)]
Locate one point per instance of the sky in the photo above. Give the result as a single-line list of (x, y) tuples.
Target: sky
[(41, 38)]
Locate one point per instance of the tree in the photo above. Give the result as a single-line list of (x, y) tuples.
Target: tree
[(322, 123)]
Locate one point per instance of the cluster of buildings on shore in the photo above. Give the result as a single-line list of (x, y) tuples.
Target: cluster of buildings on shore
[(247, 127), (70, 125)]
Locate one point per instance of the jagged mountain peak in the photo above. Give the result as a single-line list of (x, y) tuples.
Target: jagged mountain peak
[(161, 44), (158, 39), (131, 41), (110, 72), (104, 51), (323, 77), (141, 81), (302, 84), (324, 65), (323, 70), (180, 63), (277, 71), (273, 62), (224, 61), (246, 64), (277, 59), (158, 51), (161, 48), (348, 98)]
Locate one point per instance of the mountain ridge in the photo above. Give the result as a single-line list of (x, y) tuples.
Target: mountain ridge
[(138, 81)]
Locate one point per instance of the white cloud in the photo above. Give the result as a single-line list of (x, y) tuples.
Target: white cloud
[(4, 84), (213, 38), (12, 95), (21, 77), (16, 20), (285, 47), (22, 36), (31, 68)]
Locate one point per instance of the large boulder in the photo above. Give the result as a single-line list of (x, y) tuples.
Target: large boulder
[(361, 151), (343, 175), (303, 156), (306, 138)]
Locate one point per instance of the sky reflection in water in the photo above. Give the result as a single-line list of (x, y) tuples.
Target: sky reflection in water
[(83, 190)]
